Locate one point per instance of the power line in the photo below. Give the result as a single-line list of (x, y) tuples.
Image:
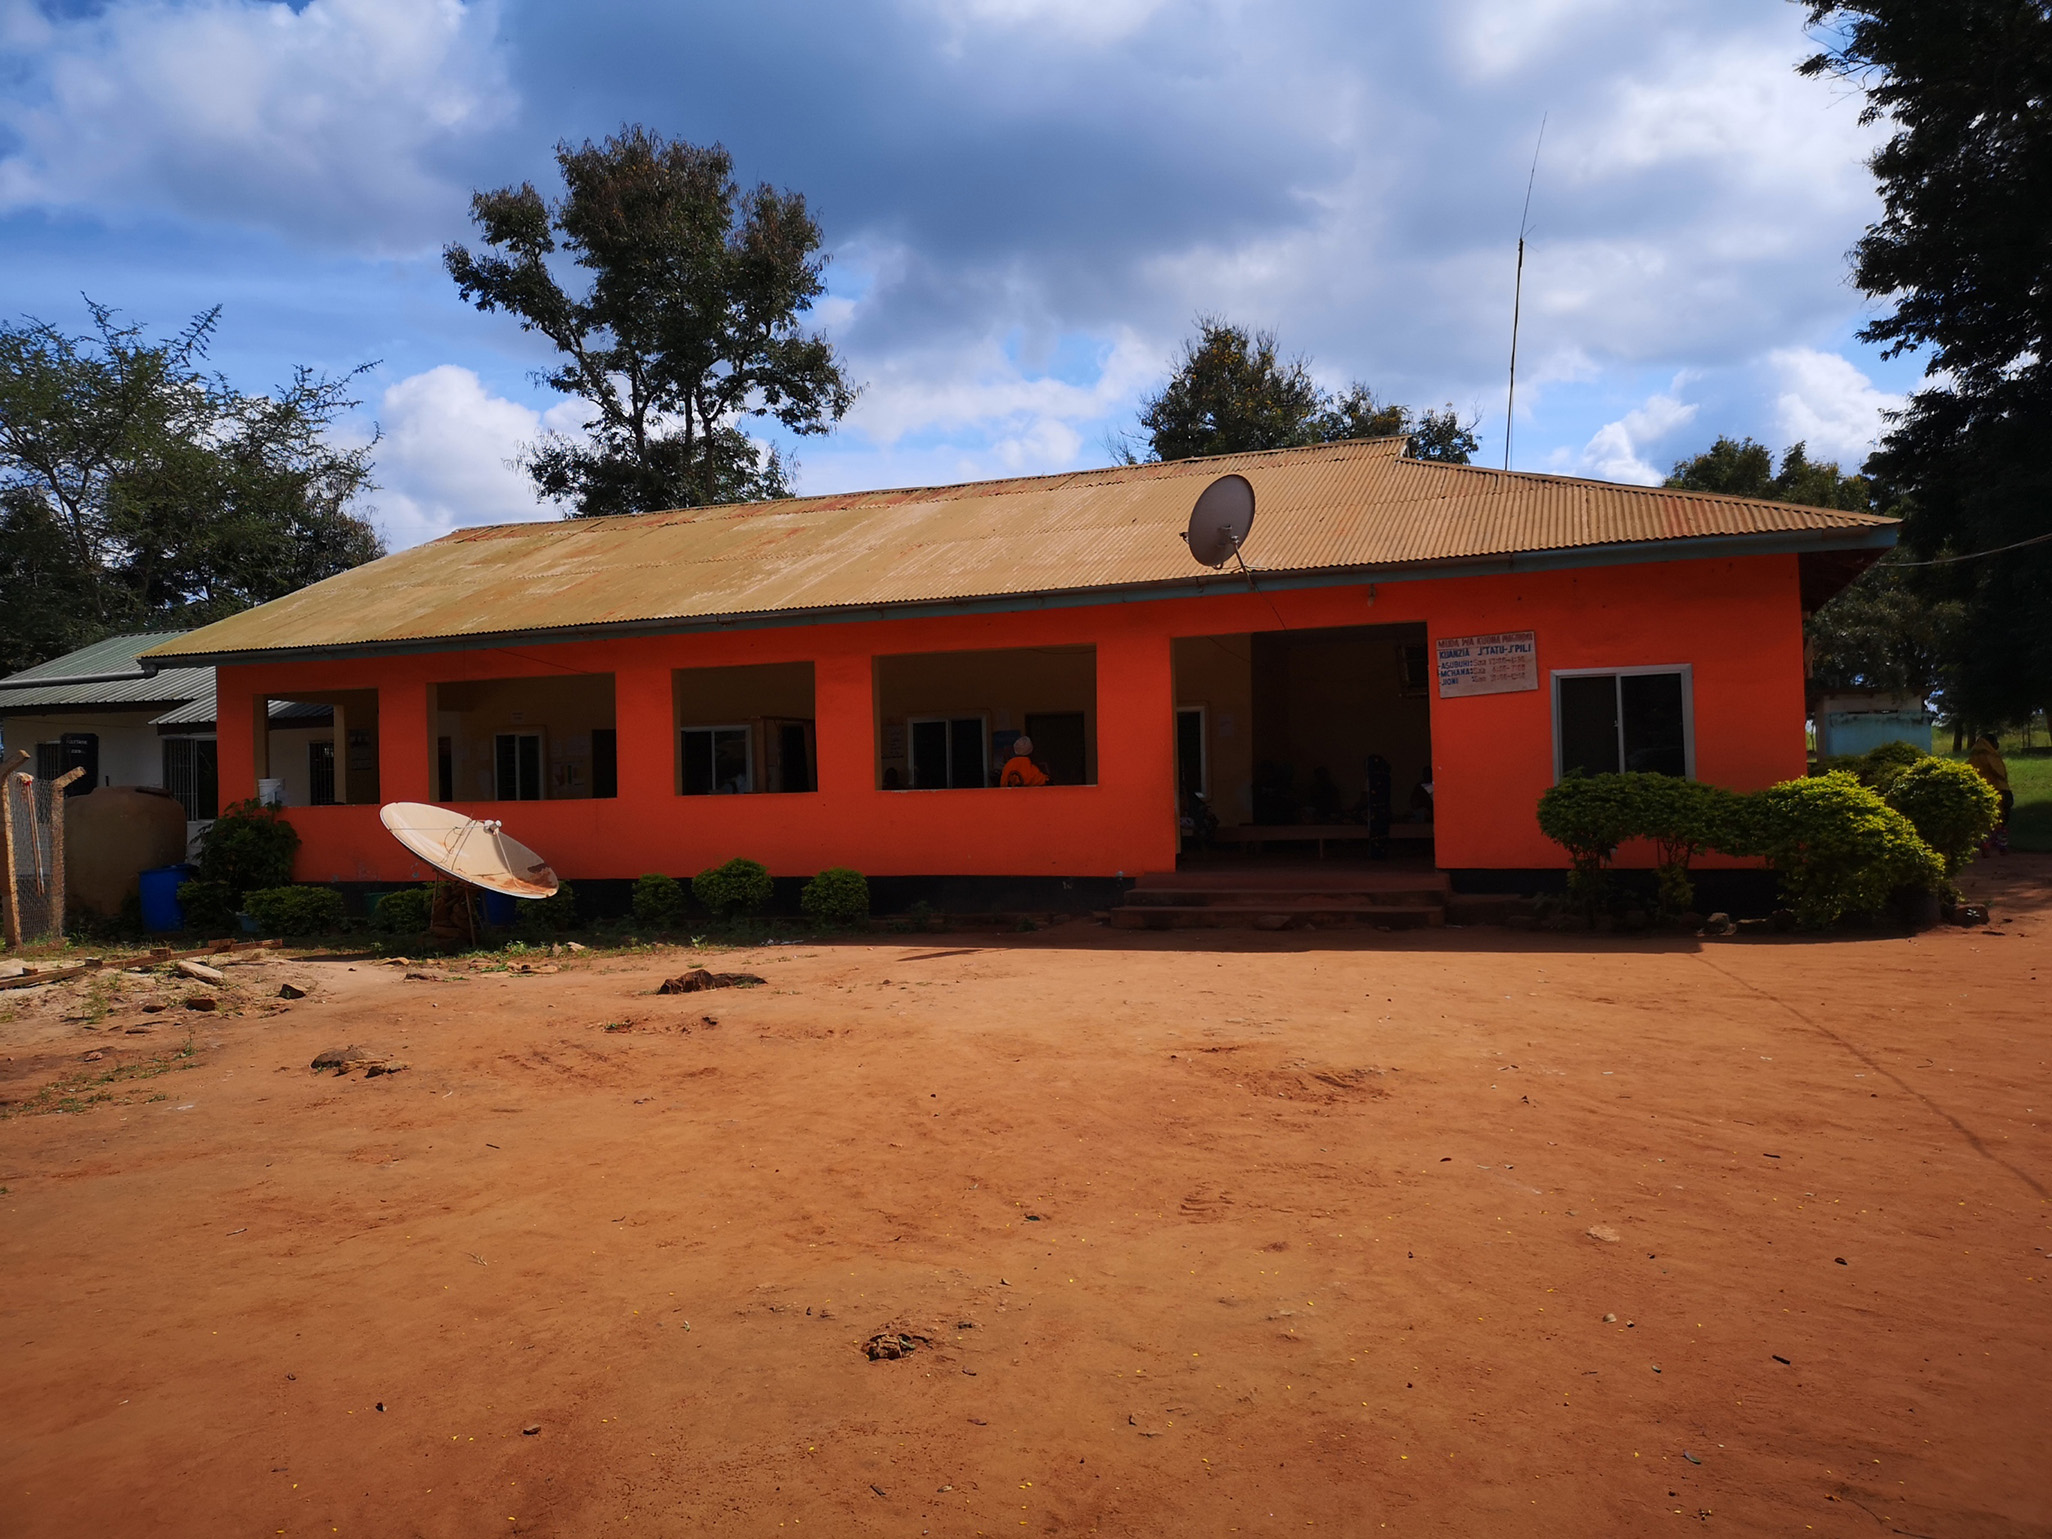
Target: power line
[(1975, 555)]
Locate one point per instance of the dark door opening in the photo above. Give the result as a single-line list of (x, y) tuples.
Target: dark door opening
[(517, 760), (320, 772), (1306, 741), (1190, 752), (1058, 743), (793, 756)]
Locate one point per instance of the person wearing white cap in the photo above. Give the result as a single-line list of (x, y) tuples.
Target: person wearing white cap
[(1020, 770)]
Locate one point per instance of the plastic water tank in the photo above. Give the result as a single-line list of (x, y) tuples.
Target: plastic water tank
[(111, 835), (160, 910)]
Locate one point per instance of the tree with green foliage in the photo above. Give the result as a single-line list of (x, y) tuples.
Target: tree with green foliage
[(138, 492), (1962, 258), (1882, 631), (1233, 392), (688, 326)]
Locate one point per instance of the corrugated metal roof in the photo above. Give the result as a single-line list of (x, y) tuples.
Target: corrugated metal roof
[(45, 684), (1351, 506), (200, 713)]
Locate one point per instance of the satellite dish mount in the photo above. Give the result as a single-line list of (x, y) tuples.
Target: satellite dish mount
[(1220, 522)]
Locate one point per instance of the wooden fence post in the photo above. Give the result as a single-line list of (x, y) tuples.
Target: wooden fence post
[(57, 803), (7, 779)]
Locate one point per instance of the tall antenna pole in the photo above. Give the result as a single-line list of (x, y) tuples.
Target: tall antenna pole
[(1518, 294)]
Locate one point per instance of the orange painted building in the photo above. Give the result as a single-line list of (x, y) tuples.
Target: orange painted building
[(835, 680)]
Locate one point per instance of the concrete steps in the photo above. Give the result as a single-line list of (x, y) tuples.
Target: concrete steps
[(1283, 899)]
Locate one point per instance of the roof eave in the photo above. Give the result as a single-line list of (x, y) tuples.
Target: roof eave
[(1697, 548)]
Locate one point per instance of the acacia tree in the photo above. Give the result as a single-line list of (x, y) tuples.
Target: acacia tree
[(1962, 255), (1232, 392), (139, 493), (689, 323)]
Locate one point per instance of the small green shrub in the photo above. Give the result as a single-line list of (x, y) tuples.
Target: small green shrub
[(295, 910), (659, 900), (1948, 803), (558, 911), (1590, 816), (738, 887), (208, 907), (405, 912), (838, 895), (1840, 849), (249, 847), (1880, 765)]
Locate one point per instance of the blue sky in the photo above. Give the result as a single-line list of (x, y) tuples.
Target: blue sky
[(1027, 203)]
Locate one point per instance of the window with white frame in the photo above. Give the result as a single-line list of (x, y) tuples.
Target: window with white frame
[(718, 761), (1612, 719)]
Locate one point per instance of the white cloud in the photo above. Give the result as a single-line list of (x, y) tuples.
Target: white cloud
[(1827, 404), (1614, 451), (1094, 21), (442, 463), (326, 122)]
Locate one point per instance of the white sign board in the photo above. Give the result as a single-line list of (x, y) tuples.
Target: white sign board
[(1487, 665)]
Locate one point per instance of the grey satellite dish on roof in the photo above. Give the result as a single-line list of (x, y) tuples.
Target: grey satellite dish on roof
[(1220, 521), (473, 850)]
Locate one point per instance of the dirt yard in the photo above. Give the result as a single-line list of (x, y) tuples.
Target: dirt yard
[(1461, 1232)]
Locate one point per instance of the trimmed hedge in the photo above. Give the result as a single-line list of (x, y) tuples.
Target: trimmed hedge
[(658, 900), (406, 912), (738, 887), (1838, 846), (558, 911), (295, 910), (208, 907), (838, 895), (1951, 807)]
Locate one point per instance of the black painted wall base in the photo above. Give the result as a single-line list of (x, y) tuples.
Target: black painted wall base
[(1741, 894)]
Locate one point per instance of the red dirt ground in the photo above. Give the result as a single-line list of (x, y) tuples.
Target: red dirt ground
[(1256, 1234)]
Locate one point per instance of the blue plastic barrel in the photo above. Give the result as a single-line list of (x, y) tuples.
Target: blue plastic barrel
[(501, 910), (160, 911)]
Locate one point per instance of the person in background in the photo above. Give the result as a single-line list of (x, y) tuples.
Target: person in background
[(1020, 770), (1421, 797), (1986, 757)]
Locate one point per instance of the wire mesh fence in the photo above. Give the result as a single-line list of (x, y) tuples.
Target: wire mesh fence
[(33, 859)]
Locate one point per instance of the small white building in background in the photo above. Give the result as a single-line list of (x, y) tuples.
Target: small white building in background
[(94, 710), (1852, 721)]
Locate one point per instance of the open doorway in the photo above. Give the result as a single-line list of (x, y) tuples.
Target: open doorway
[(1314, 741)]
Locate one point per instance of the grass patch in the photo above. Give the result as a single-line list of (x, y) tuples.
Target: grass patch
[(96, 1087)]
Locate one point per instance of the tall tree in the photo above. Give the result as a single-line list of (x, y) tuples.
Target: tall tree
[(1962, 255), (138, 492), (1880, 632), (1232, 391), (689, 323)]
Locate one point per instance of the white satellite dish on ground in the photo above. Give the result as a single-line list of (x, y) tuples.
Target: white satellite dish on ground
[(473, 850)]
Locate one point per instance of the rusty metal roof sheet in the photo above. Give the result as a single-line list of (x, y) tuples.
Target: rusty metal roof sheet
[(1349, 507)]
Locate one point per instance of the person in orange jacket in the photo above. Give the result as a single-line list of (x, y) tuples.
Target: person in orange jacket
[(1020, 770)]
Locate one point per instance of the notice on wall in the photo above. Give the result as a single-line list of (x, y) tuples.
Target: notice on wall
[(1487, 665)]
